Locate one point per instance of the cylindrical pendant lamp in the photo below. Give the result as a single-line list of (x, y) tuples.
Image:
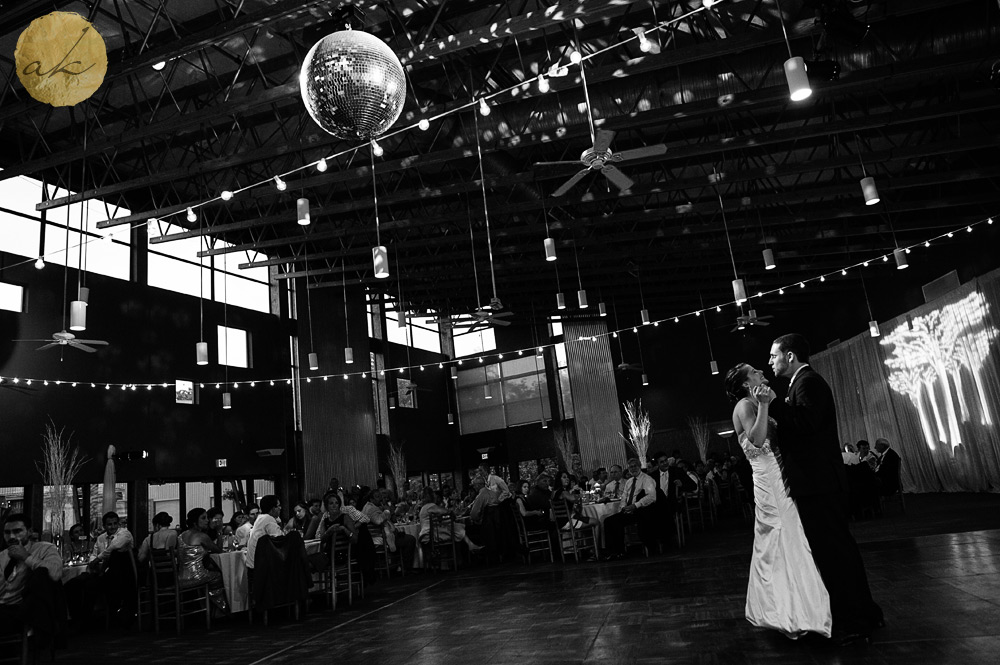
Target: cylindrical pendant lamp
[(348, 355), (314, 361), (739, 291), (380, 259), (714, 366), (900, 256), (645, 379), (560, 301), (302, 207), (869, 190), (227, 401), (201, 353), (602, 309), (581, 296), (798, 80), (78, 315), (769, 259), (550, 249), (645, 317), (873, 328)]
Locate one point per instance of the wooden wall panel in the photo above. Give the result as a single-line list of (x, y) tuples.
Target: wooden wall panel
[(338, 416), (595, 395)]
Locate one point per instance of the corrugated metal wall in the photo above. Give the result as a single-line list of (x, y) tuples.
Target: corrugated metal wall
[(595, 396)]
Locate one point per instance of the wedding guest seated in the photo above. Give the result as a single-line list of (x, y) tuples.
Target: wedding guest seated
[(77, 545), (242, 532), (850, 454), (315, 516), (599, 480), (196, 566), (485, 498), (335, 521), (538, 504), (216, 527), (110, 562), (521, 493), (299, 520), (638, 507), (162, 538), (887, 470), (568, 492), (612, 488), (430, 507), (265, 524), (21, 561), (865, 454), (376, 510)]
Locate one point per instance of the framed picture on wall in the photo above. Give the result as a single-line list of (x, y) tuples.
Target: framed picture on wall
[(184, 391)]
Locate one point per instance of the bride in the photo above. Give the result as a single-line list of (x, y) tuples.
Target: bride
[(785, 592)]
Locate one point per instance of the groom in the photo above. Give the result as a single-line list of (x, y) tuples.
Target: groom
[(813, 470)]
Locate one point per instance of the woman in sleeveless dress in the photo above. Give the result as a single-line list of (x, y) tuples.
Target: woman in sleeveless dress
[(193, 547), (785, 591)]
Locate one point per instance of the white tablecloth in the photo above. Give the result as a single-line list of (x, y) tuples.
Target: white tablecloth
[(413, 529), (69, 572), (234, 575), (600, 512)]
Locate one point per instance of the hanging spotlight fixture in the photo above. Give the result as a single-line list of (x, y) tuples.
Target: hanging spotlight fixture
[(769, 259), (560, 300), (227, 400), (380, 257), (348, 351), (302, 208), (313, 357), (795, 67), (712, 365), (201, 348), (645, 379), (868, 188), (900, 256), (581, 294), (872, 323), (739, 288), (602, 309)]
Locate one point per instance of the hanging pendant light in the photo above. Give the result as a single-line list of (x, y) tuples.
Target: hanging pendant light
[(451, 418), (550, 249), (581, 294), (869, 190), (873, 328), (487, 393), (454, 374), (645, 379), (560, 300), (380, 260), (795, 67), (602, 309), (581, 297), (900, 256), (78, 315), (348, 355), (313, 361), (227, 400), (201, 353), (739, 291), (769, 259), (392, 402), (714, 367), (302, 208), (644, 313)]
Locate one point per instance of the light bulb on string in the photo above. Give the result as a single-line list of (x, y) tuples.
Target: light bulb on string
[(484, 108), (280, 184), (191, 215), (644, 44), (575, 57), (424, 124), (377, 149), (543, 84), (321, 165), (39, 263), (158, 66), (226, 195)]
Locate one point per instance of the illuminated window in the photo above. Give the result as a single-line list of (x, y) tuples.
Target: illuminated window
[(420, 332), (555, 327), (234, 347), (468, 343), (11, 297)]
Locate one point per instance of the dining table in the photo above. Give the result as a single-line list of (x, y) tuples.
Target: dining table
[(233, 566), (600, 512), (413, 529), (73, 570)]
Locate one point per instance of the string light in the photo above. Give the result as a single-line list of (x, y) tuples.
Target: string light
[(543, 84), (484, 108), (280, 184), (644, 44), (191, 216), (226, 195), (321, 165), (377, 149), (424, 124), (39, 263), (575, 57)]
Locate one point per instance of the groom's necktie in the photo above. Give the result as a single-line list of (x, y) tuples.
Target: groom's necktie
[(631, 492)]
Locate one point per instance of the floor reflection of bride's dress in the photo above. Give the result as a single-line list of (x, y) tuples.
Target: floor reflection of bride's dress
[(193, 573)]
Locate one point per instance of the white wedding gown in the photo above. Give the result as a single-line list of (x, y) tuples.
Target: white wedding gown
[(785, 591)]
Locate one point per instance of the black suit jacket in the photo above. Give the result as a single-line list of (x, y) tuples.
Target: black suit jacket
[(807, 437), (888, 471)]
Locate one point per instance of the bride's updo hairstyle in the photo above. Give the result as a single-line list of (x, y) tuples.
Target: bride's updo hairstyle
[(734, 382)]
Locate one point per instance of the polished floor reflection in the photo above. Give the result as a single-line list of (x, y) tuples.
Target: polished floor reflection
[(940, 591)]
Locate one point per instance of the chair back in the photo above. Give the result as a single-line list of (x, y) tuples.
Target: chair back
[(163, 571)]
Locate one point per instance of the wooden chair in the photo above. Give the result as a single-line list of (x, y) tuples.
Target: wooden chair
[(532, 540), (345, 572), (693, 504), (170, 600), (441, 550), (385, 560), (143, 594), (15, 647), (572, 538)]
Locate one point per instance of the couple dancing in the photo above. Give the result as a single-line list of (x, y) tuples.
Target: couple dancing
[(806, 574)]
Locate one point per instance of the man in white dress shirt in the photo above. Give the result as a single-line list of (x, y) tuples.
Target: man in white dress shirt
[(243, 530), (110, 560), (613, 488), (266, 524), (637, 507), (494, 483)]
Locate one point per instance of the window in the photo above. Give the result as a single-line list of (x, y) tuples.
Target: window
[(420, 332), (518, 395), (11, 297), (555, 327), (234, 347), (565, 394), (469, 343)]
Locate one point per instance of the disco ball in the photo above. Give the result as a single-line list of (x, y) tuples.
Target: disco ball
[(353, 85)]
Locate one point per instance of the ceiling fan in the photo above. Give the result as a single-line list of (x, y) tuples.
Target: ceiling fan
[(599, 156), (751, 319), (63, 338), (629, 367)]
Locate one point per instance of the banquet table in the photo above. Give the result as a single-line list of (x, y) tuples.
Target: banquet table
[(413, 529), (71, 571), (233, 566), (600, 512)]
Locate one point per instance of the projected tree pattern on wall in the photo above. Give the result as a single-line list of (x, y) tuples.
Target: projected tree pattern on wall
[(931, 360)]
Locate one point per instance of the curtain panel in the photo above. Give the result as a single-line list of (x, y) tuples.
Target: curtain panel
[(930, 384)]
